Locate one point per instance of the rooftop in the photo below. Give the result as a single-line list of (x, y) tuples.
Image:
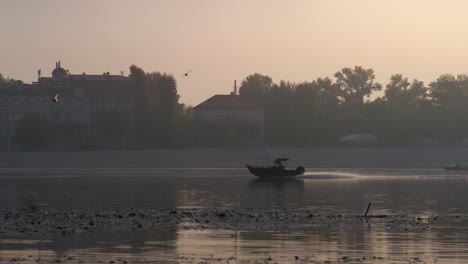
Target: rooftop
[(98, 77), (227, 102)]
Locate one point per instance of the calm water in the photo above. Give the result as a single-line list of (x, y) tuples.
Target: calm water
[(418, 192)]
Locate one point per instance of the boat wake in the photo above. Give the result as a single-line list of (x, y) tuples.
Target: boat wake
[(327, 175)]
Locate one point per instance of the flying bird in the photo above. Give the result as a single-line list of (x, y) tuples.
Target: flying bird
[(186, 74), (55, 100)]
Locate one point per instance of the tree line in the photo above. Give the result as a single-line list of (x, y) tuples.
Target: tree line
[(306, 114), (317, 113)]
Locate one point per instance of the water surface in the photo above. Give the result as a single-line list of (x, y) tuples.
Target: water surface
[(414, 192)]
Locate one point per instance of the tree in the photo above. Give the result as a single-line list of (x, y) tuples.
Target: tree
[(164, 98), (140, 106), (326, 128), (449, 91), (6, 83), (329, 93), (401, 93), (112, 128), (396, 89), (401, 118), (450, 97), (73, 136), (255, 86), (306, 103), (33, 133), (222, 134), (164, 107), (156, 108), (279, 113), (355, 84)]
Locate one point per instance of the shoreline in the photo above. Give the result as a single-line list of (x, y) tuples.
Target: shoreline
[(238, 157)]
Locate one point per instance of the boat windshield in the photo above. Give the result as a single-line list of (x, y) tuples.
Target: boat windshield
[(278, 164)]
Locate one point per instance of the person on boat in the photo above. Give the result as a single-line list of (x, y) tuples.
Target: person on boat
[(277, 164)]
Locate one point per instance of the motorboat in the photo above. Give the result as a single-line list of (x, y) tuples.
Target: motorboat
[(456, 166), (276, 170)]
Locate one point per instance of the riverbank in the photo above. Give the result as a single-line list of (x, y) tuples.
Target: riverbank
[(238, 157)]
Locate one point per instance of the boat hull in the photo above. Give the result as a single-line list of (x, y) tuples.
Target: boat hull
[(455, 168), (265, 172)]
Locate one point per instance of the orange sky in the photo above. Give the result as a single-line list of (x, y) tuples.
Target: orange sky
[(223, 41)]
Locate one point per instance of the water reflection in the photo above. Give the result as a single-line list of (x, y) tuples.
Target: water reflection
[(277, 185), (134, 243), (411, 192), (187, 246)]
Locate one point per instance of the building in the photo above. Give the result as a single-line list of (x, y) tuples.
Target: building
[(81, 98), (231, 108), (102, 93)]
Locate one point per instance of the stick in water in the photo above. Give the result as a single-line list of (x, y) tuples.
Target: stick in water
[(368, 207)]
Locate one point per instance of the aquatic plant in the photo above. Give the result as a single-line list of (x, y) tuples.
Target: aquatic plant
[(29, 201), (222, 214)]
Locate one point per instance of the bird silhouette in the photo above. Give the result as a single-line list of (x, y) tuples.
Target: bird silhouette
[(186, 74), (55, 100)]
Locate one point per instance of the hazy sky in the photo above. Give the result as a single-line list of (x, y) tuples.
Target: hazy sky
[(223, 41)]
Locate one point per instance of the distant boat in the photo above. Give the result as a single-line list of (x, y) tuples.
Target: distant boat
[(276, 170), (455, 166)]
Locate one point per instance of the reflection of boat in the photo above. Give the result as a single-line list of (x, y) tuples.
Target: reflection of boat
[(277, 185), (277, 169), (456, 166)]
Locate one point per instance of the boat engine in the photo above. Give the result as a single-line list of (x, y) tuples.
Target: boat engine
[(300, 170)]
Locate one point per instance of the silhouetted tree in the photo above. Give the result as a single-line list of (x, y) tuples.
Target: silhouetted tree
[(6, 83), (33, 133), (164, 107), (112, 128), (355, 84), (222, 134), (140, 106), (156, 108), (254, 87), (327, 128), (279, 113), (449, 91), (401, 93), (403, 101), (449, 94), (306, 104)]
